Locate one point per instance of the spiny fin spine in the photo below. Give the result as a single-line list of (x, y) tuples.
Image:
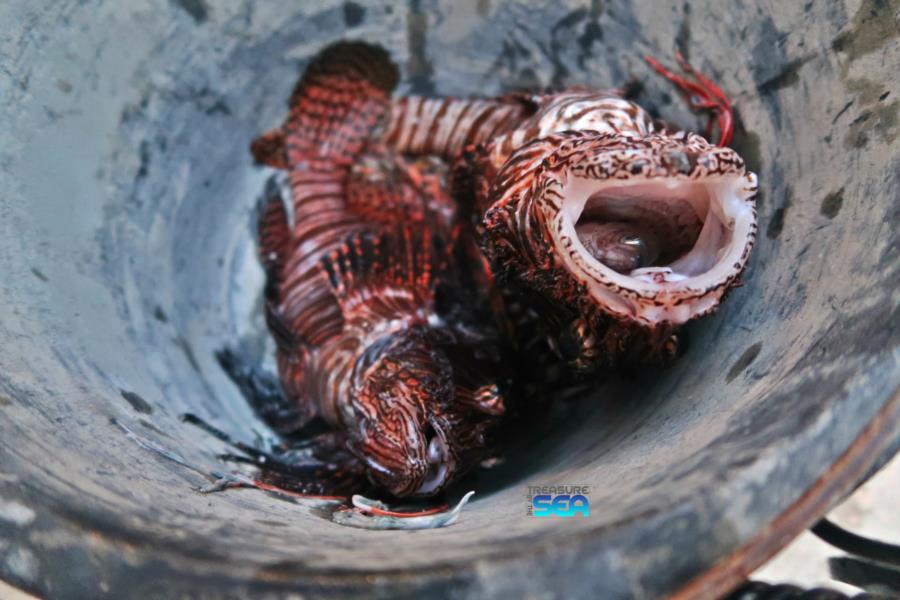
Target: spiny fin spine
[(387, 276)]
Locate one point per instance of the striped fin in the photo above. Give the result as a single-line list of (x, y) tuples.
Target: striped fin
[(341, 98), (445, 126), (388, 188), (386, 276)]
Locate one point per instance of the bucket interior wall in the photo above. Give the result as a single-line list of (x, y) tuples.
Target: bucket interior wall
[(127, 259)]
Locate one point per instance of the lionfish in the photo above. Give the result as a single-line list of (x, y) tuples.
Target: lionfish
[(612, 229), (605, 228), (353, 281)]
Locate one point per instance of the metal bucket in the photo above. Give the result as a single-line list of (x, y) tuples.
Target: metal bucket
[(127, 259)]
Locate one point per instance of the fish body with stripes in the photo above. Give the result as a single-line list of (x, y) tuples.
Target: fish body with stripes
[(352, 279), (605, 229)]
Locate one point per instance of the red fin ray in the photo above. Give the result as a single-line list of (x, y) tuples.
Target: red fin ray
[(343, 95), (386, 187), (388, 276), (701, 95)]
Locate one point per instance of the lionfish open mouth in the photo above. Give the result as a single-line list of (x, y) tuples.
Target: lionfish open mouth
[(660, 248), (664, 237), (653, 229)]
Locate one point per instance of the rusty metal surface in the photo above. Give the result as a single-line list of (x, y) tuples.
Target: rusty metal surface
[(127, 260), (848, 469)]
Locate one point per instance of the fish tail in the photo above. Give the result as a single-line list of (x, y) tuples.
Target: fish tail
[(343, 95)]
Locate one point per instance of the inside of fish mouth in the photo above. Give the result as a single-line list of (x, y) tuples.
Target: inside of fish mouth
[(638, 228)]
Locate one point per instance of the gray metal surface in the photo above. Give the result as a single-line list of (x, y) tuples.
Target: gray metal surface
[(127, 259)]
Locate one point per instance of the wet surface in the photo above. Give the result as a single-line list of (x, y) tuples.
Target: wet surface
[(128, 261)]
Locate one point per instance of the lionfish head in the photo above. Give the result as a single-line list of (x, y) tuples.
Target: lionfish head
[(399, 385), (632, 236)]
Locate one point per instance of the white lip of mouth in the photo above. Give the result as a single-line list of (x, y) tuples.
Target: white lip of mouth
[(694, 280)]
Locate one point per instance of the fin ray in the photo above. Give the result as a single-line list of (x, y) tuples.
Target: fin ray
[(385, 276), (343, 95)]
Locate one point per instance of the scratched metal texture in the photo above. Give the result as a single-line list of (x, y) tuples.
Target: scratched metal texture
[(127, 259)]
